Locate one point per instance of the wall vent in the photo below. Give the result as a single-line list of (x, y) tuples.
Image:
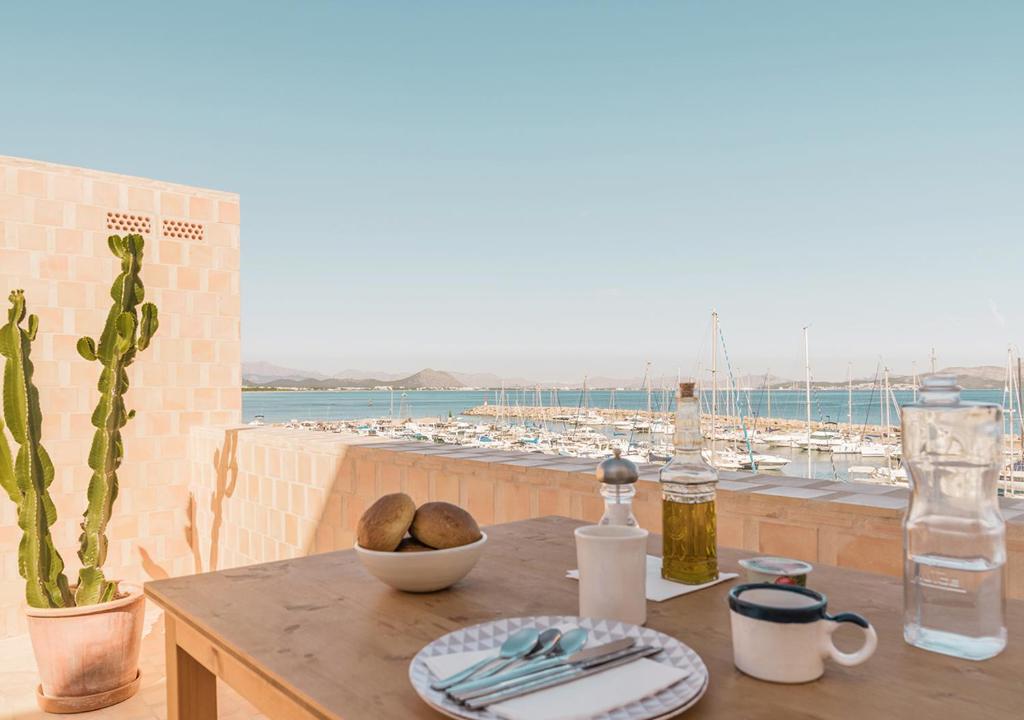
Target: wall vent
[(182, 229), (129, 224)]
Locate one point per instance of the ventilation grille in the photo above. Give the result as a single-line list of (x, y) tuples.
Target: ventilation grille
[(130, 224), (183, 230)]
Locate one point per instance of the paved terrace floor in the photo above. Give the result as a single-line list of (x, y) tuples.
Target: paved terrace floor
[(18, 679)]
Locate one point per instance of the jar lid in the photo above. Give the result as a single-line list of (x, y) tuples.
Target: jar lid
[(617, 470), (777, 566)]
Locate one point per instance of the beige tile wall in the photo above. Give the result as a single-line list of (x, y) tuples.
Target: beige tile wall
[(53, 243), (278, 493)]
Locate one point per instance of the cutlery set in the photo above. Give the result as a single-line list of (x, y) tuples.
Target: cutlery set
[(532, 661)]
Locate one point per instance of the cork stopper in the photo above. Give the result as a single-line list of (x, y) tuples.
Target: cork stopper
[(686, 389)]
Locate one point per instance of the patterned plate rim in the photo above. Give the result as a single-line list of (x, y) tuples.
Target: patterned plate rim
[(670, 700)]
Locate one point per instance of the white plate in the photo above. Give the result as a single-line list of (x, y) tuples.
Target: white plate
[(489, 635)]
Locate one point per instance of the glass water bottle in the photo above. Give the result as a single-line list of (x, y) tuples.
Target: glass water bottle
[(689, 524), (954, 534)]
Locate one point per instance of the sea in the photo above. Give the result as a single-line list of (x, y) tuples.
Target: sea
[(826, 405)]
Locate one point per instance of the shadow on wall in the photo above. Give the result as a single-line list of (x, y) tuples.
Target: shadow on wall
[(225, 467)]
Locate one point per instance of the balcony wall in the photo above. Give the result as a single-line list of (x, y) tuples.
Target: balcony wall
[(54, 223), (266, 493)]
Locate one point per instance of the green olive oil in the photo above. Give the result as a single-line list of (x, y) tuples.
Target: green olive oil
[(689, 521), (690, 550)]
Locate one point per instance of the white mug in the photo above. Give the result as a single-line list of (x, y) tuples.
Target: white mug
[(613, 572), (782, 633)]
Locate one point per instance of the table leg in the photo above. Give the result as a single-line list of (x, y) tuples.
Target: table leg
[(191, 688)]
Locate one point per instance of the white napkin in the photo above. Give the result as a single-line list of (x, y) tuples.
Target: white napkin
[(577, 700), (658, 588)]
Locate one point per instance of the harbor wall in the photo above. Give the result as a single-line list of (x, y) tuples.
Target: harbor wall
[(271, 493), (54, 224)]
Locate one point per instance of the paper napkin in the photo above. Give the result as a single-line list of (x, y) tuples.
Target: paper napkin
[(660, 589), (577, 700)]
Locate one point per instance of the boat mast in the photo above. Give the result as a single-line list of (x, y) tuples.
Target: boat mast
[(586, 400), (881, 406), (1010, 388), (913, 377), (849, 396), (888, 419), (714, 382), (933, 361), (1020, 403), (647, 374), (768, 383), (807, 383)]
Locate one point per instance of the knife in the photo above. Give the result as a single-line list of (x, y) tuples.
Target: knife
[(536, 669), (568, 674)]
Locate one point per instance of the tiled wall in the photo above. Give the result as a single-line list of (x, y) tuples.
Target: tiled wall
[(273, 493), (53, 243)]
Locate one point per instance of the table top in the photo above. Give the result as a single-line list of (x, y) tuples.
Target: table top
[(339, 642)]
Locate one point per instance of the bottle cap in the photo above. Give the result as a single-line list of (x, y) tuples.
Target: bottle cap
[(686, 389)]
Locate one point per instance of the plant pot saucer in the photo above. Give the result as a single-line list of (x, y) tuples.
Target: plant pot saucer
[(85, 703)]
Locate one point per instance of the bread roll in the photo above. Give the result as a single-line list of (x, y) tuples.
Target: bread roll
[(412, 545), (385, 523), (443, 525)]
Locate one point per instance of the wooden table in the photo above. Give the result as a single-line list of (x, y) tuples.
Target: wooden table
[(318, 637)]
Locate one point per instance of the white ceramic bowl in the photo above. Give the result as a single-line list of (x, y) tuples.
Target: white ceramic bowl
[(424, 571)]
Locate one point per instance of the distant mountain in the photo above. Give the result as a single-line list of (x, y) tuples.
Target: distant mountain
[(490, 380), (429, 379), (263, 374), (423, 379), (368, 374), (981, 377), (254, 373), (992, 373)]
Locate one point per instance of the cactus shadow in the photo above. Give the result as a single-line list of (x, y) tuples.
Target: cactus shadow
[(225, 466)]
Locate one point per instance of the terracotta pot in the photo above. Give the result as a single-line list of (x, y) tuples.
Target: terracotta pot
[(88, 657)]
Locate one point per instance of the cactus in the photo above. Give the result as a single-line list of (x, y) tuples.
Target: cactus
[(124, 335), (26, 478)]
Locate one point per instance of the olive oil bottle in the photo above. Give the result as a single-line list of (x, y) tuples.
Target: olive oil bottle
[(689, 524)]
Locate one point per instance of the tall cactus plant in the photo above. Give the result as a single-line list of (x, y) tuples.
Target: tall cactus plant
[(26, 477), (124, 335)]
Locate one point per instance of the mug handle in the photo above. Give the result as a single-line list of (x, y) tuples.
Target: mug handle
[(866, 650)]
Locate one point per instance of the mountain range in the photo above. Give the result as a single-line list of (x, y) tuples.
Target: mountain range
[(425, 378), (268, 375)]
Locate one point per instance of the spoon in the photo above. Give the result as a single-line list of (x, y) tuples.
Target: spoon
[(545, 644), (516, 646), (569, 643)]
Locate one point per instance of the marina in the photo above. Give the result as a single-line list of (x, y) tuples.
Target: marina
[(821, 434)]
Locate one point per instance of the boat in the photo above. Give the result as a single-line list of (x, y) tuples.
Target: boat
[(846, 447), (877, 449), (769, 462), (897, 476)]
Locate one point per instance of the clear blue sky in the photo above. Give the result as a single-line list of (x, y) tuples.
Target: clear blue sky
[(549, 188)]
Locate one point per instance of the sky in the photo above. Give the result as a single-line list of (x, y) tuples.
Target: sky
[(547, 189)]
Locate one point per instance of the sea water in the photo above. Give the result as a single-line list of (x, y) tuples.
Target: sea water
[(282, 406), (954, 606)]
